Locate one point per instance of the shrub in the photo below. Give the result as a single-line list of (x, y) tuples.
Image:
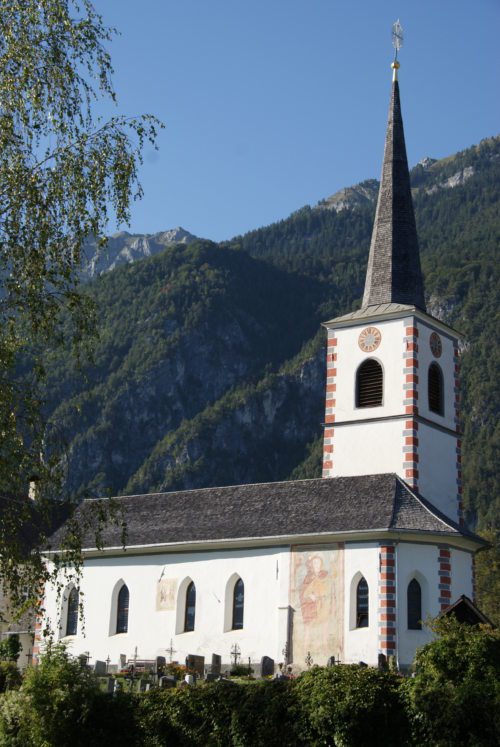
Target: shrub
[(266, 716), (59, 703), (220, 714), (454, 697), (10, 648), (351, 705), (189, 716)]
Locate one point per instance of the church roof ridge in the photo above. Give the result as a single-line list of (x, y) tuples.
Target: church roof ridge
[(393, 273)]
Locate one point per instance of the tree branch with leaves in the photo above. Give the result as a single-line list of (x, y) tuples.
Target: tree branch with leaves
[(63, 173)]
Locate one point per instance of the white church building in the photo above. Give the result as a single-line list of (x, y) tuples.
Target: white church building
[(345, 566)]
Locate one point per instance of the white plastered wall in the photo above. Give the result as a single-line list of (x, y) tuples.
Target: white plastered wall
[(437, 469), (461, 574), (437, 448), (420, 562), (369, 448), (265, 573), (360, 644), (350, 356)]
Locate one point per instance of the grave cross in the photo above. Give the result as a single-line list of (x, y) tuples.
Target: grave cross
[(171, 650), (108, 662), (235, 653), (309, 660), (29, 656)]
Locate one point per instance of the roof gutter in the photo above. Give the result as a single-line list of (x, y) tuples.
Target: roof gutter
[(454, 539)]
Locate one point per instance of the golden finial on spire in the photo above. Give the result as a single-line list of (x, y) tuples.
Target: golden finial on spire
[(397, 43)]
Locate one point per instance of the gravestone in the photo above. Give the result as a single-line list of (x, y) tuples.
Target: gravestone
[(123, 661), (382, 662), (216, 664), (160, 664), (331, 661), (100, 668), (212, 677), (196, 663), (266, 666), (84, 660), (110, 684), (168, 680)]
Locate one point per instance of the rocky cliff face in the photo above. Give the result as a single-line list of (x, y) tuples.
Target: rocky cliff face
[(124, 248), (253, 434)]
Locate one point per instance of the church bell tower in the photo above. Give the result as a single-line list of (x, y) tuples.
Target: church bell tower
[(392, 398)]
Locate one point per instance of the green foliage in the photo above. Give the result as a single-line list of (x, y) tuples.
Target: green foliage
[(59, 703), (61, 169), (261, 714), (352, 706), (488, 577), (10, 648), (454, 697)]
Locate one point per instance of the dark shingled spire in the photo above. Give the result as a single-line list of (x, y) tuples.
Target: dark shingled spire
[(394, 274)]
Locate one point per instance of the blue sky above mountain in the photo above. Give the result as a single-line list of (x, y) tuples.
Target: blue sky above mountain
[(270, 106)]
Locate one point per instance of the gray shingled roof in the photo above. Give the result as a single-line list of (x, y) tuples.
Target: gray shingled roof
[(301, 507), (394, 274)]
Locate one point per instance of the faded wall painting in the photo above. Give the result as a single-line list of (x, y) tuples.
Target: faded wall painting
[(317, 597), (166, 593)]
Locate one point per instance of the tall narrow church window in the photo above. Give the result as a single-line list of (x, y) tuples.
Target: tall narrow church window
[(238, 604), (414, 598), (369, 384), (190, 611), (435, 389), (72, 616), (362, 599), (122, 610)]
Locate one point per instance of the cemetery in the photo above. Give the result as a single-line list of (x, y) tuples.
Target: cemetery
[(451, 697)]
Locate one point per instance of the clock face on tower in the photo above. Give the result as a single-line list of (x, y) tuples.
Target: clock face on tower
[(435, 345), (369, 339)]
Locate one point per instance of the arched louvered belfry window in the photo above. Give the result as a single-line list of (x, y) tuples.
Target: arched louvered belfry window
[(414, 599), (190, 610), (362, 599), (369, 384), (238, 604), (122, 610), (435, 389), (72, 615)]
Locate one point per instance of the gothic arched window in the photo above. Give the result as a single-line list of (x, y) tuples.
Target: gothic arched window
[(190, 609), (72, 614), (362, 599), (238, 604), (122, 610), (435, 389), (369, 384), (414, 599)]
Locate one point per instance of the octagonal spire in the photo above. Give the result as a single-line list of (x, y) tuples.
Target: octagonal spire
[(393, 274)]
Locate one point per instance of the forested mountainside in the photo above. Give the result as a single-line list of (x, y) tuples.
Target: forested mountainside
[(210, 364)]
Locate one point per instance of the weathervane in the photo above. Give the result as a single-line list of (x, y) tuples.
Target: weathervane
[(397, 43)]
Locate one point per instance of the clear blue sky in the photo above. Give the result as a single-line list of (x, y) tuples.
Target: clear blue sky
[(270, 105)]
